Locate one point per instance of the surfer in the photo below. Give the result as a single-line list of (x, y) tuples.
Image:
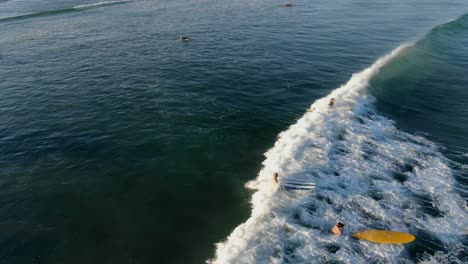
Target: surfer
[(184, 37), (338, 229), (275, 177), (288, 5), (332, 102)]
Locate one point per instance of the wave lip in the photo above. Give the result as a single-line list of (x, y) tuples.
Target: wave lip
[(105, 3), (369, 175), (63, 11)]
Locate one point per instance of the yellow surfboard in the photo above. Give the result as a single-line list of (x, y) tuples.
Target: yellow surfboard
[(386, 237)]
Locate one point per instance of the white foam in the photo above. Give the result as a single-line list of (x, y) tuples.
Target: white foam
[(100, 4), (387, 179)]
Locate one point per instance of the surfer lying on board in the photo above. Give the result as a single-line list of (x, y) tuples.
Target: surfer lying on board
[(338, 229)]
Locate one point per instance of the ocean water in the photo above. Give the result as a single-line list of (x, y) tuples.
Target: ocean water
[(121, 144)]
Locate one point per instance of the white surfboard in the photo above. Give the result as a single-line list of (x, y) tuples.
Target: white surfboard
[(297, 186), (298, 183)]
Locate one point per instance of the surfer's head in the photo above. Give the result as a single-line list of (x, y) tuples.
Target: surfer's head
[(337, 229), (275, 177)]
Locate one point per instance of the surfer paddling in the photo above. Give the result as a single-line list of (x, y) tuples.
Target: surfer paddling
[(338, 229)]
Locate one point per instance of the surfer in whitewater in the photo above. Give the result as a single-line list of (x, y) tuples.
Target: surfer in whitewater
[(275, 178), (332, 102), (338, 229)]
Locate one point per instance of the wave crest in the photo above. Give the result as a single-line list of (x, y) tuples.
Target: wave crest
[(369, 175), (63, 11), (105, 3)]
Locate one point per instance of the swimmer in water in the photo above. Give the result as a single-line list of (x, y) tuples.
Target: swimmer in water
[(338, 229)]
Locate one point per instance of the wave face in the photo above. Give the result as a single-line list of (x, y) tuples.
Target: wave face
[(369, 175), (62, 11), (425, 90)]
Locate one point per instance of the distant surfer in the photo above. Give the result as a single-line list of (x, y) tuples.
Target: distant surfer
[(338, 229), (275, 177), (312, 109), (332, 102), (184, 37), (288, 5)]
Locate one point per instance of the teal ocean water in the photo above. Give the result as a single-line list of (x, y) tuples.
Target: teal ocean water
[(121, 144)]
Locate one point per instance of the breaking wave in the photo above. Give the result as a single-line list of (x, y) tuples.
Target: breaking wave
[(100, 4), (62, 11), (369, 175)]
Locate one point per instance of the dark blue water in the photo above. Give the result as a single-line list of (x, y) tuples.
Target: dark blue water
[(121, 144)]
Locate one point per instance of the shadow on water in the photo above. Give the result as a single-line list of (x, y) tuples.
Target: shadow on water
[(425, 244)]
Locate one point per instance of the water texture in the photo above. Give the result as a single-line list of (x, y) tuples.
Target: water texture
[(121, 144)]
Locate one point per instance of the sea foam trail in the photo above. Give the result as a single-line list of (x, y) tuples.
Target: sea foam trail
[(63, 11), (101, 4), (368, 174)]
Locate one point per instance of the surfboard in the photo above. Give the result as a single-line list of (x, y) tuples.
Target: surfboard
[(297, 186), (385, 236), (298, 183)]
